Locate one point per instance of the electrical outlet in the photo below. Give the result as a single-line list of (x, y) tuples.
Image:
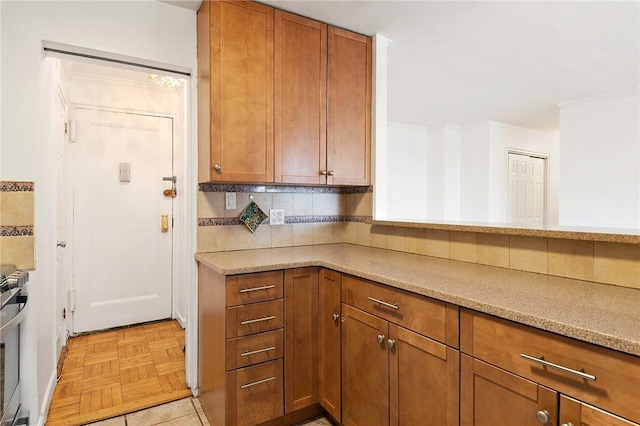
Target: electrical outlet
[(230, 200), (276, 217)]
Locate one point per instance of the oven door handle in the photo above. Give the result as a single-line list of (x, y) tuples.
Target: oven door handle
[(5, 329)]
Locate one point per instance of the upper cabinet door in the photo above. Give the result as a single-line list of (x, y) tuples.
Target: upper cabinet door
[(349, 108), (242, 51), (300, 99)]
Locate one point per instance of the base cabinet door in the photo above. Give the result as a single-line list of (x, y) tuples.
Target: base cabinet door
[(424, 382), (576, 413), (329, 321), (301, 338), (491, 396), (365, 372)]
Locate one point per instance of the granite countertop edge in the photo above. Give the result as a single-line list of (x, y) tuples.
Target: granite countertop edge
[(572, 327)]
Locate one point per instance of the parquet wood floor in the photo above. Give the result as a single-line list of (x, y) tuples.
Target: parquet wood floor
[(120, 371)]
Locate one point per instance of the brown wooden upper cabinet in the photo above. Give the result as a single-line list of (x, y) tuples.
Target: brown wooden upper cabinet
[(235, 91), (314, 128)]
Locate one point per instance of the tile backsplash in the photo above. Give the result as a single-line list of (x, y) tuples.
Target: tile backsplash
[(17, 224), (336, 215)]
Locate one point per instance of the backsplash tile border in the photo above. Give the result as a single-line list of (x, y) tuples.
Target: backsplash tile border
[(16, 186), (231, 187), (230, 221), (16, 231)]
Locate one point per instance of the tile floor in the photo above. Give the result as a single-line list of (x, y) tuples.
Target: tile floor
[(184, 412)]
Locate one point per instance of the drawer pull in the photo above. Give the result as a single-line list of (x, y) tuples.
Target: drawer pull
[(541, 360), (259, 382), (264, 287), (269, 318), (257, 351), (383, 303)]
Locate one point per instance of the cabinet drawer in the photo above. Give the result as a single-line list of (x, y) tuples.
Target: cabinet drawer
[(254, 349), (255, 394), (615, 385), (252, 288), (255, 318), (432, 318)]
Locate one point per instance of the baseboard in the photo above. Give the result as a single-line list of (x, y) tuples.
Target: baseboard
[(181, 319), (46, 402)]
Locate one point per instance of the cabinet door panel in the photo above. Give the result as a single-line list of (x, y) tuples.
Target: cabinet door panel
[(301, 341), (491, 396), (580, 414), (330, 342), (242, 50), (424, 380), (365, 372), (349, 107), (301, 105)]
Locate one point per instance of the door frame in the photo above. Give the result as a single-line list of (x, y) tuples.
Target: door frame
[(545, 173), (71, 108), (185, 156)]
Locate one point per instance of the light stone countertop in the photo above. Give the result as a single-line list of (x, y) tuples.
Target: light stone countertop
[(602, 314), (610, 235)]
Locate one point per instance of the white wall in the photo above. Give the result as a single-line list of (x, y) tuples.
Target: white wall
[(474, 172), (406, 172), (600, 160), (143, 29)]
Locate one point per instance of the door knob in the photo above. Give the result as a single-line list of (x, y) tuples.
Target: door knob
[(380, 338), (217, 168), (330, 172), (391, 343), (567, 424), (335, 317), (543, 416), (170, 193), (323, 172)]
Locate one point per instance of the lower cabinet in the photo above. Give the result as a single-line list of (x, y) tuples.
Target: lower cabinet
[(393, 376), (254, 394), (330, 353), (490, 396), (576, 413)]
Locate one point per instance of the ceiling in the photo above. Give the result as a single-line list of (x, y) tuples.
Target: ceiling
[(510, 61)]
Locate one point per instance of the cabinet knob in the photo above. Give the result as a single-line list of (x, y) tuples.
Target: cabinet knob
[(323, 172), (335, 317), (217, 168), (380, 338), (391, 343), (567, 424), (330, 172), (543, 416)]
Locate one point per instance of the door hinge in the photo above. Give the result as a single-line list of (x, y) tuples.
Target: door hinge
[(72, 130), (72, 300), (66, 128)]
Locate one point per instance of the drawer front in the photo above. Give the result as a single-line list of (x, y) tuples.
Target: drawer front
[(255, 318), (615, 385), (254, 349), (252, 288), (421, 314), (255, 394)]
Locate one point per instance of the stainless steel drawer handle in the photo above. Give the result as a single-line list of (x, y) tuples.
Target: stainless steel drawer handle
[(269, 318), (264, 287), (259, 351), (383, 303), (259, 382), (540, 360)]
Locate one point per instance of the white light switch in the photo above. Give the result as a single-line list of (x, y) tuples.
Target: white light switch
[(230, 200), (125, 172), (276, 217)]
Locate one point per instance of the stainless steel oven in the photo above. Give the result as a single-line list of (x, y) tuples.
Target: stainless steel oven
[(12, 312)]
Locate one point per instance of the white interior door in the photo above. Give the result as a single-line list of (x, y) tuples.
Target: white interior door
[(527, 190), (122, 260)]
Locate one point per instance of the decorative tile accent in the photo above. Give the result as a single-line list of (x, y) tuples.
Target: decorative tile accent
[(228, 221), (16, 231), (16, 186), (226, 187)]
